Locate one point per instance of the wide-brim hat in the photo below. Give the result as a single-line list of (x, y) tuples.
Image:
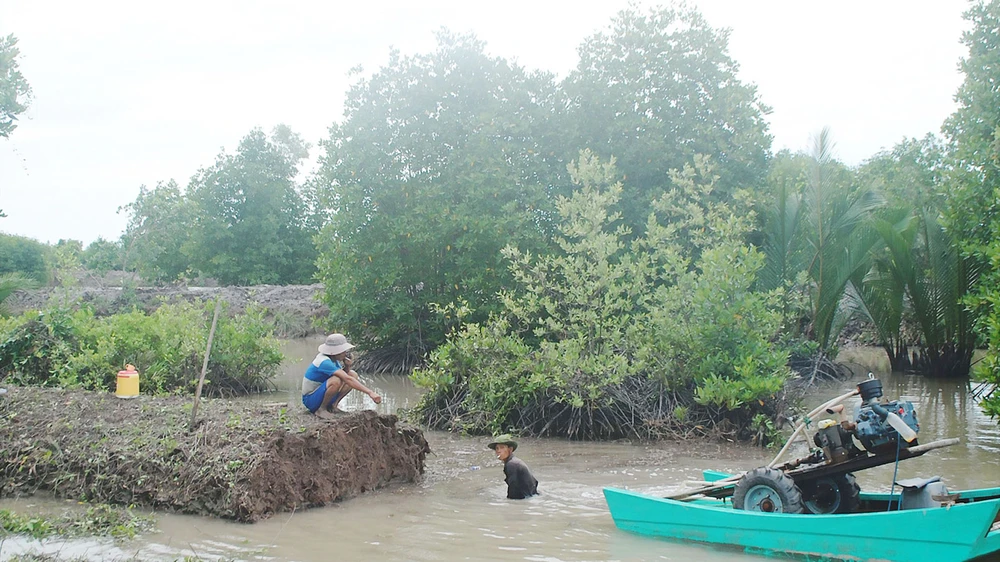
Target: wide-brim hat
[(335, 344), (505, 439)]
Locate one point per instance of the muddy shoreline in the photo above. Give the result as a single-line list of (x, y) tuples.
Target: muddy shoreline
[(241, 461)]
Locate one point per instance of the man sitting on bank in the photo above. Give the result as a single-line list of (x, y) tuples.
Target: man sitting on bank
[(329, 378), (520, 483)]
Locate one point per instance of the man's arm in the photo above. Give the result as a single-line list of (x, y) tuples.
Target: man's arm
[(355, 383)]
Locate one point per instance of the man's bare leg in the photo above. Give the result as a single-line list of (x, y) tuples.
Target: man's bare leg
[(333, 386), (335, 407)]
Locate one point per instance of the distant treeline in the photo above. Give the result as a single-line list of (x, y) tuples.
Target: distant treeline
[(627, 223)]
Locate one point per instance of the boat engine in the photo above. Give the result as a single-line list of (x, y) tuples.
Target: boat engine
[(877, 425)]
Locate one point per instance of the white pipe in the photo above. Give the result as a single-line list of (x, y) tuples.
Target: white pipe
[(726, 481), (809, 417)]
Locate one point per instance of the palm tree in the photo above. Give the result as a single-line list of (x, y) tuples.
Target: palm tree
[(924, 265), (839, 239), (879, 295), (821, 226)]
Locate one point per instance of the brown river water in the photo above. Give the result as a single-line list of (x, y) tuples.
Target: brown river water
[(458, 511)]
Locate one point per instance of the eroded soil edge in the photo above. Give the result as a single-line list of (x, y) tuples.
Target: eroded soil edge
[(243, 460)]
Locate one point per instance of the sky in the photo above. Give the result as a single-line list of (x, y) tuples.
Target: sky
[(128, 94)]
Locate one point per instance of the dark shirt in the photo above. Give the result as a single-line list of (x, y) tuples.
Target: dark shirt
[(520, 482)]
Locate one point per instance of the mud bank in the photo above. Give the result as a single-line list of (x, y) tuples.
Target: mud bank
[(242, 461), (295, 309)]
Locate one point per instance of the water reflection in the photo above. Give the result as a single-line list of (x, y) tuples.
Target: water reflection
[(945, 409)]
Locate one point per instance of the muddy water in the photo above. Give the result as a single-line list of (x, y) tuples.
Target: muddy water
[(458, 510)]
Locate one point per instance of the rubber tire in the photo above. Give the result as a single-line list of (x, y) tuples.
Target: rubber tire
[(774, 484), (848, 495)]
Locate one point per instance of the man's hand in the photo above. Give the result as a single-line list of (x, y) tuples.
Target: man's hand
[(376, 398)]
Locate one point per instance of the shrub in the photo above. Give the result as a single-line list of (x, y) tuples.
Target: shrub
[(23, 255), (75, 349), (608, 339)]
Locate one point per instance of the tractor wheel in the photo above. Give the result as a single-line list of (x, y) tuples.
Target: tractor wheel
[(767, 489), (832, 494)]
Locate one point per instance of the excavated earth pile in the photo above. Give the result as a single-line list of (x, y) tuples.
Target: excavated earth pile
[(287, 301), (243, 460)]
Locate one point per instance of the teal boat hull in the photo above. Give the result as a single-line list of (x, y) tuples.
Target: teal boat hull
[(955, 533)]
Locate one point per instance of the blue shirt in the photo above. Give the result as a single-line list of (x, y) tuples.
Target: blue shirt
[(321, 369)]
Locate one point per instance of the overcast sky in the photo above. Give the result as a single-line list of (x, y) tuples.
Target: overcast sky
[(128, 95)]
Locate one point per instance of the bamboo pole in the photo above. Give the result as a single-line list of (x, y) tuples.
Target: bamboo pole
[(204, 365), (919, 449)]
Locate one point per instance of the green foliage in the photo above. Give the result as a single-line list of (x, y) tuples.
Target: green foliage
[(656, 89), (587, 331), (972, 211), (249, 226), (985, 303), (910, 174), (290, 323), (15, 93), (910, 178), (248, 355), (924, 265), (242, 221), (64, 262), (160, 220), (880, 295), (24, 256), (974, 132), (486, 369), (14, 524), (74, 349), (102, 256), (94, 520), (709, 325), (783, 217), (34, 346), (9, 284), (713, 329), (582, 296), (765, 431), (439, 163), (820, 224)]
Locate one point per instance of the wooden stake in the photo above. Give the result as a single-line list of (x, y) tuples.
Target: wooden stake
[(204, 365)]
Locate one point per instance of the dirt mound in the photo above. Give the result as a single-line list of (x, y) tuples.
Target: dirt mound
[(296, 308), (243, 460)]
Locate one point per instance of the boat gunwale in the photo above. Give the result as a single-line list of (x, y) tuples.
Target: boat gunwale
[(965, 545)]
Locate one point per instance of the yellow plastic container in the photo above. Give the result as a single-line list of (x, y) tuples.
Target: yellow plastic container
[(128, 383)]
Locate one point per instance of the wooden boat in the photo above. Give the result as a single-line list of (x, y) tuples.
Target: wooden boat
[(963, 530)]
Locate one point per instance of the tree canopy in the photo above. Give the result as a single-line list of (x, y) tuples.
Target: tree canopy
[(439, 163), (15, 93), (615, 328), (972, 210), (657, 88), (974, 130), (23, 256), (249, 220), (241, 221)]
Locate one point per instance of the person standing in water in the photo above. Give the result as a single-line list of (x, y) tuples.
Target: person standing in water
[(329, 378), (520, 483)]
